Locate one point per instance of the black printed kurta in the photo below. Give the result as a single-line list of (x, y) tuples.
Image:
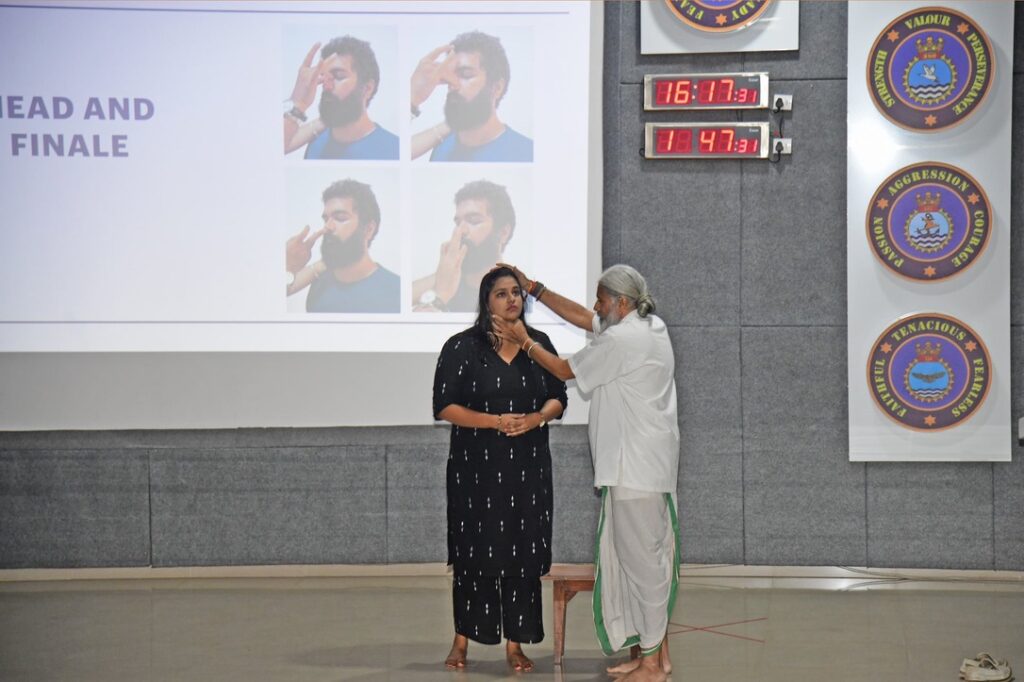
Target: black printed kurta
[(499, 487)]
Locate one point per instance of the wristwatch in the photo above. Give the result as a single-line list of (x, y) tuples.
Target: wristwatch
[(430, 298), (291, 110)]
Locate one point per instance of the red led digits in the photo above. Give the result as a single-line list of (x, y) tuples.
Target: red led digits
[(747, 146), (704, 91), (716, 91), (682, 93), (725, 138), (723, 141), (727, 89), (716, 140), (663, 140), (663, 92), (673, 141), (705, 140), (671, 92), (707, 143)]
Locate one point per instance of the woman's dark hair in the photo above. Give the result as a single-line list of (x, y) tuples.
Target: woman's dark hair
[(482, 326)]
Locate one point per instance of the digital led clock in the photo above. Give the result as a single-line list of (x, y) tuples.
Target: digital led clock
[(673, 92), (706, 141)]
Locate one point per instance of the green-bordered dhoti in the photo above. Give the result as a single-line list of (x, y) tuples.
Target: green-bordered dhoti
[(636, 568)]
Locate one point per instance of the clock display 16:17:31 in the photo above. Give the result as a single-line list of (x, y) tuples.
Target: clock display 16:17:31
[(706, 91)]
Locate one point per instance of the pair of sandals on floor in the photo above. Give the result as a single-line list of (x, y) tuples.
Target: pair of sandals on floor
[(985, 668)]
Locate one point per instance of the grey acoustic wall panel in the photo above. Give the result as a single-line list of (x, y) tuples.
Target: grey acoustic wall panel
[(73, 508), (1017, 198), (417, 507), (926, 514), (803, 499), (822, 53), (1008, 479), (272, 505), (794, 227), (710, 487), (576, 503)]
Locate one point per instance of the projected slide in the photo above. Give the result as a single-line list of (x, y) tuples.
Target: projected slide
[(183, 176)]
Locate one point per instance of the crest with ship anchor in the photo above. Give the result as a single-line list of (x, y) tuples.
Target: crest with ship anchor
[(929, 221)]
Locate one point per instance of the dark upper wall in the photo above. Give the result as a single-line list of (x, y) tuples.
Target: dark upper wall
[(754, 290)]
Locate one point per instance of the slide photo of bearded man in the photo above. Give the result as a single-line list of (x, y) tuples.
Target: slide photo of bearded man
[(342, 249), (340, 93), (468, 224), (471, 95)]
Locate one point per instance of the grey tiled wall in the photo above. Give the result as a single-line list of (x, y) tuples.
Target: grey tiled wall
[(747, 262)]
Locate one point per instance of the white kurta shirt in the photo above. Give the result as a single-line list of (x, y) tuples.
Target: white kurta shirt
[(629, 369)]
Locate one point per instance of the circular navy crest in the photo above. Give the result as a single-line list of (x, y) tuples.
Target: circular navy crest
[(930, 69), (718, 16), (929, 372), (928, 221)]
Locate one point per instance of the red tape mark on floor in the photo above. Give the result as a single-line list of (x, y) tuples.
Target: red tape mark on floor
[(712, 629)]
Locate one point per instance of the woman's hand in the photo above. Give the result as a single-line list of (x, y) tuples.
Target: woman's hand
[(513, 332), (513, 425), (510, 423)]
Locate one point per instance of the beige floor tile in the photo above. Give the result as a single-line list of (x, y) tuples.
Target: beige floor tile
[(724, 628)]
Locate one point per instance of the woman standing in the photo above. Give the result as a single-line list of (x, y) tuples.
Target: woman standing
[(499, 475)]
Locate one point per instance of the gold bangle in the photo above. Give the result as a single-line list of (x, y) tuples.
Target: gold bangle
[(530, 349)]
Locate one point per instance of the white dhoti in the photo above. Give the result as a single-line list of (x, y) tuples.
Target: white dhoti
[(637, 568)]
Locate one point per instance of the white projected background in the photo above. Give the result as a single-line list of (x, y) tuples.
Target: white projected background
[(148, 245)]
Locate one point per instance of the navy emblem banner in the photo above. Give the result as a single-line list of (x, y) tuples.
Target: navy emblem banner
[(929, 97)]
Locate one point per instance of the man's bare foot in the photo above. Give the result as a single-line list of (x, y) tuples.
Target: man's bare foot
[(457, 656), (627, 666), (634, 662), (516, 658), (624, 667), (666, 662), (649, 670)]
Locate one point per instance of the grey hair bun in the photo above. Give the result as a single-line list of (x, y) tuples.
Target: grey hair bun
[(645, 305)]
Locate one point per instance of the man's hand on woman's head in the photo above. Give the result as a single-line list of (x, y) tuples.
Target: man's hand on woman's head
[(520, 275)]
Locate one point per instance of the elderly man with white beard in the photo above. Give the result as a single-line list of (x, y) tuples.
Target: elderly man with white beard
[(628, 368)]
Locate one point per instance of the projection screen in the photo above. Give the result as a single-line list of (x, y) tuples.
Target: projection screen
[(228, 214)]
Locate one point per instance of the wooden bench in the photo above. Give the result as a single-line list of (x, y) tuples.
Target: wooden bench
[(566, 581)]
